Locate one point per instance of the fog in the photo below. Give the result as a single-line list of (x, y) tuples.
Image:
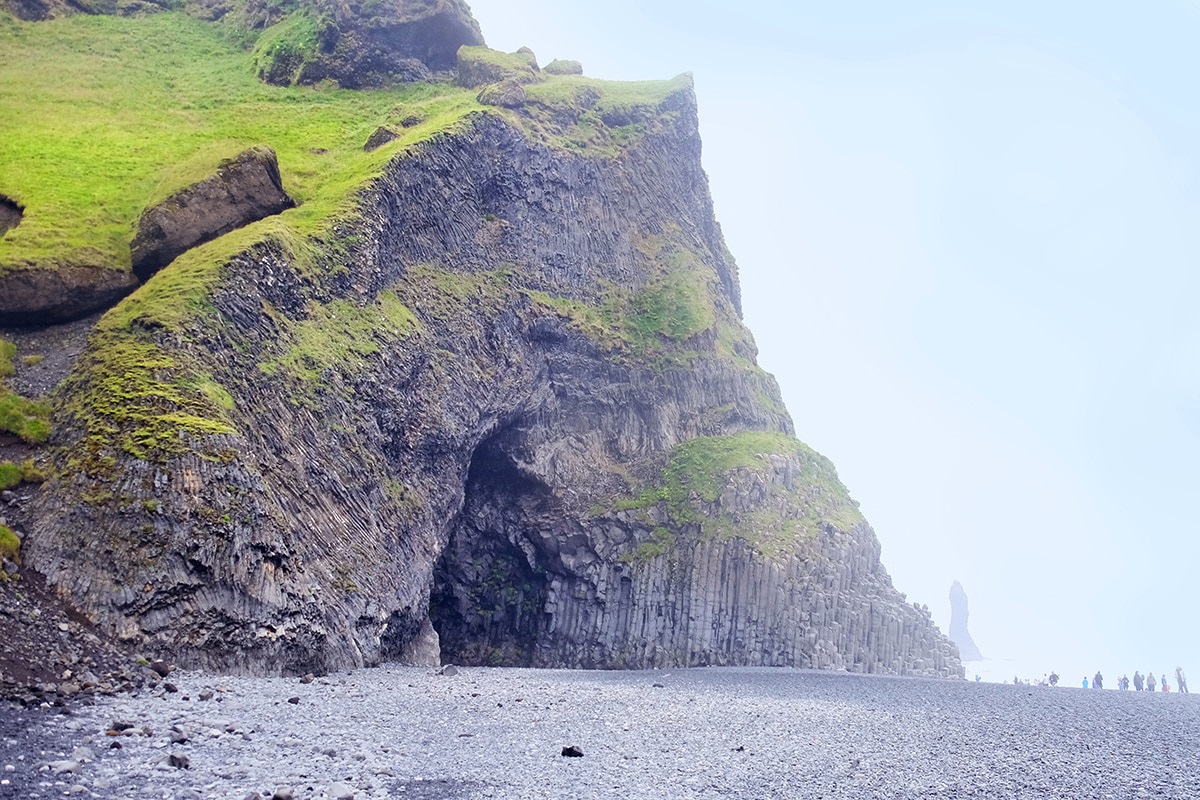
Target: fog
[(968, 246)]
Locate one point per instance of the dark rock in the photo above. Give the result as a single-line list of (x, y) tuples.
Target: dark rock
[(381, 136), (571, 751), (161, 668), (294, 700), (115, 745), (170, 688), (507, 93), (205, 695), (967, 649), (244, 189), (120, 726), (10, 215), (283, 793), (399, 41), (561, 67), (179, 761), (51, 294)]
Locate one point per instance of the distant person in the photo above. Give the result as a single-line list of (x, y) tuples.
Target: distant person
[(977, 678), (1181, 680), (1053, 679), (1085, 681), (1123, 683), (1098, 681), (1150, 684), (1138, 681), (1165, 687)]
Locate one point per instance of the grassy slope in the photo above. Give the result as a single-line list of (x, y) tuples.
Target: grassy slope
[(101, 115)]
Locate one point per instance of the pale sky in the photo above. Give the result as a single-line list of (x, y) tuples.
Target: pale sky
[(968, 242)]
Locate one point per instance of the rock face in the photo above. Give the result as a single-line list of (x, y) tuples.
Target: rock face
[(959, 634), (507, 404), (46, 296), (244, 189)]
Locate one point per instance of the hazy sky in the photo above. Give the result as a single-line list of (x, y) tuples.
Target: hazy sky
[(968, 242)]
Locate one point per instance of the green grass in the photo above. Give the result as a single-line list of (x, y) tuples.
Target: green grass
[(8, 352), (10, 474), (101, 115), (594, 117), (15, 474), (10, 548)]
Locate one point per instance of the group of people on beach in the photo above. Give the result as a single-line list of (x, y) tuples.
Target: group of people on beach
[(1140, 683)]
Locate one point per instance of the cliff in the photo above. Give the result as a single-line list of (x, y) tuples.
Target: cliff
[(484, 392)]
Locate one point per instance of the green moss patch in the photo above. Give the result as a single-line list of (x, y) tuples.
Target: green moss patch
[(8, 352), (340, 335), (15, 474), (10, 547), (701, 470)]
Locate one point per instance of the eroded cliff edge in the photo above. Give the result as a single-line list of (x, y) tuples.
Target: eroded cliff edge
[(507, 396)]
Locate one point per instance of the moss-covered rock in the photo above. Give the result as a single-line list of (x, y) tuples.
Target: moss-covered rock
[(563, 67), (481, 66)]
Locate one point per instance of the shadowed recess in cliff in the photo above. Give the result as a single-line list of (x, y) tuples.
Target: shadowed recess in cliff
[(489, 587)]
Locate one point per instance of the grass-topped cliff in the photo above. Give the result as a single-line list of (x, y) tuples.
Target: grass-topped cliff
[(495, 333)]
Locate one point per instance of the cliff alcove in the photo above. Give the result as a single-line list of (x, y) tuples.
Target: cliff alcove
[(490, 584)]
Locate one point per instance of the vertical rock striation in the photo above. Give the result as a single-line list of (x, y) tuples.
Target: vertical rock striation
[(508, 398)]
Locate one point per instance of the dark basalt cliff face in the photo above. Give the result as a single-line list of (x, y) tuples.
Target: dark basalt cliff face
[(506, 403)]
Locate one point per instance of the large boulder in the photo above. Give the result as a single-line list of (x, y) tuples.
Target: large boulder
[(244, 189), (48, 295)]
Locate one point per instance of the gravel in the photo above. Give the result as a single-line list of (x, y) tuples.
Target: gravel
[(404, 732)]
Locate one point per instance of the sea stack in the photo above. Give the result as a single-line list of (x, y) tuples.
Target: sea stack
[(967, 650)]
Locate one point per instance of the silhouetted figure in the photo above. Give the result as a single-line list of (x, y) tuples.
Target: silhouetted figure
[(1098, 681), (1181, 680), (1123, 683), (1053, 679), (1138, 681), (1150, 684), (1165, 687), (1085, 681)]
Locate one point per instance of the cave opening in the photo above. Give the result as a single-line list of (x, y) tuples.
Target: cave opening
[(491, 582), (10, 214)]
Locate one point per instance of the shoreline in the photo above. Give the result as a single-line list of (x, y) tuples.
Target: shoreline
[(409, 732)]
